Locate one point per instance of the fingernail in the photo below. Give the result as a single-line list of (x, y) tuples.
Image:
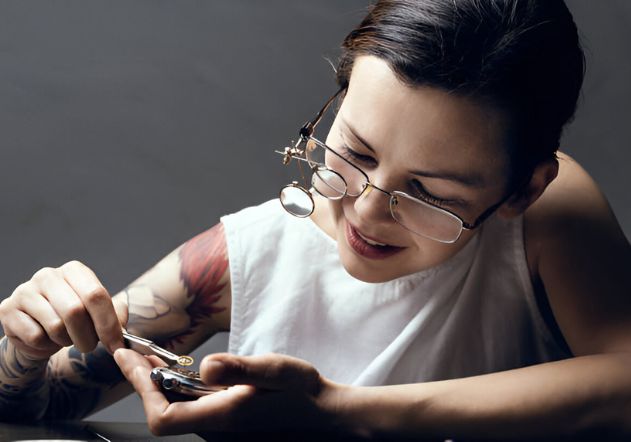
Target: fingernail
[(117, 352), (216, 365)]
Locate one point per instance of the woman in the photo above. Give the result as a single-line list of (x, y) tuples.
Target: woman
[(457, 276)]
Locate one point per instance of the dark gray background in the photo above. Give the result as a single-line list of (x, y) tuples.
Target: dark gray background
[(129, 126)]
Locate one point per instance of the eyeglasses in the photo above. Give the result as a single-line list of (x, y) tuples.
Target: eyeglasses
[(334, 177)]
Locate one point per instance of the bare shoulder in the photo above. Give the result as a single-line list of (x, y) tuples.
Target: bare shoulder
[(578, 251), (571, 203)]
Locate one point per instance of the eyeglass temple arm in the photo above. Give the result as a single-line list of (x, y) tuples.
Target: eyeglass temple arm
[(488, 212), (307, 130)]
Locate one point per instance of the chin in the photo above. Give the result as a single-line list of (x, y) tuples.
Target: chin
[(366, 273)]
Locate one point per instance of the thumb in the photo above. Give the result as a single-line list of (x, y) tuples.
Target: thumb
[(269, 371)]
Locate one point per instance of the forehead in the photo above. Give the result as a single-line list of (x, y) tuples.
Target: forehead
[(425, 126)]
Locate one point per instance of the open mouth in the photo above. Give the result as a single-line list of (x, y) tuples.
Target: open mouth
[(370, 241), (367, 247)]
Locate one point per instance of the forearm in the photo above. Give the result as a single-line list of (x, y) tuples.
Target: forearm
[(559, 398), (24, 392), (70, 385)]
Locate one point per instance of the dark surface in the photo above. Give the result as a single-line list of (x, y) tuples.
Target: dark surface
[(128, 127), (124, 431), (85, 431)]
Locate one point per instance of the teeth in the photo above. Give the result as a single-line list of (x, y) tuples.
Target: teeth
[(371, 242)]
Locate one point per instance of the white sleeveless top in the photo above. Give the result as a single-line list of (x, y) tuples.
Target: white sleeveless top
[(475, 313)]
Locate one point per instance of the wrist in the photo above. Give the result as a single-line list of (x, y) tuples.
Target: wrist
[(10, 352), (362, 411), (337, 403), (392, 410)]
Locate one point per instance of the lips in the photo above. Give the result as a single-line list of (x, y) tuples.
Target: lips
[(368, 247)]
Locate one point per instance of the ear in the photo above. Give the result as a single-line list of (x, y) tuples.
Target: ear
[(542, 176)]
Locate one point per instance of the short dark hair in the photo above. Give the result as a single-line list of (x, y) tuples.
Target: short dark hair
[(523, 56)]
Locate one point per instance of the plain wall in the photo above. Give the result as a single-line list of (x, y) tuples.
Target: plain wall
[(129, 126)]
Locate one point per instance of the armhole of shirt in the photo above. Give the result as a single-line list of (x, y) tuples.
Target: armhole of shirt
[(236, 283), (536, 296)]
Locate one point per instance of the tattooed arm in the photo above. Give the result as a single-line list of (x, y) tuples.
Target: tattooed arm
[(50, 364), (180, 310)]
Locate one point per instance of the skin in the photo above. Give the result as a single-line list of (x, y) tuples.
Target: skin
[(577, 255), (427, 130), (62, 327)]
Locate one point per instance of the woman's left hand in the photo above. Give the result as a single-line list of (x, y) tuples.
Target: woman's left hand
[(267, 392)]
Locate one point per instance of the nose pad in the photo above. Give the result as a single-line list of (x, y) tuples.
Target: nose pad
[(367, 189), (373, 209)]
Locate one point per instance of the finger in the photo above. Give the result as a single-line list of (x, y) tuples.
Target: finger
[(38, 308), (156, 361), (208, 412), (121, 307), (28, 336), (97, 301), (271, 371), (224, 410), (134, 367), (137, 370), (70, 309)]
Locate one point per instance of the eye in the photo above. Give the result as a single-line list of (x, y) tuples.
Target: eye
[(355, 157), (421, 193)]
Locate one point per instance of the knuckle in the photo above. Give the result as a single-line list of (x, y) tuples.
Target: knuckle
[(276, 368), (22, 289), (96, 295), (72, 264), (4, 306), (57, 330), (75, 312), (44, 274), (35, 339)]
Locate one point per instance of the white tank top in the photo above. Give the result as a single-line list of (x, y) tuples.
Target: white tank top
[(475, 313)]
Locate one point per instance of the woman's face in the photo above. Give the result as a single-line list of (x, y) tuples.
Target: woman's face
[(394, 130)]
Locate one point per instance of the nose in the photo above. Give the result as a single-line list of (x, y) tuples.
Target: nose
[(372, 205)]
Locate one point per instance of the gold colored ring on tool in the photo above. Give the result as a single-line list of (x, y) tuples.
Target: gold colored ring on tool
[(185, 360)]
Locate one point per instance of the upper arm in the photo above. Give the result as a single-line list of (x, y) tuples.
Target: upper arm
[(584, 262), (185, 298), (179, 303)]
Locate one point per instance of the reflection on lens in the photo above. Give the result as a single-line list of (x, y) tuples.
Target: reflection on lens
[(426, 220), (314, 153), (296, 200), (328, 183)]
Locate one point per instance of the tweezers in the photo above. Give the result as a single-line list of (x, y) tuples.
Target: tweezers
[(166, 355)]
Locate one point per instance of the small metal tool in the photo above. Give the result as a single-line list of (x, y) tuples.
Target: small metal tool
[(166, 355)]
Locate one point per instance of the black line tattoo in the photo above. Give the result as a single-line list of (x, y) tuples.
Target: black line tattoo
[(42, 391), (23, 390), (74, 398)]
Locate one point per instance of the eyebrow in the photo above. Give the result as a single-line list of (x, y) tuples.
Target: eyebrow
[(469, 180)]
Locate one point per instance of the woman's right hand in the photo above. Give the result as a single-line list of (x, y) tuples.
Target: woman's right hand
[(59, 307)]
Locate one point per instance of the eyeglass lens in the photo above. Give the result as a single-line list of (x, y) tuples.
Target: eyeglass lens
[(413, 214), (296, 200)]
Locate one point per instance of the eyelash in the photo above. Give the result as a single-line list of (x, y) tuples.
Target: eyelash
[(351, 155), (428, 197), (422, 194)]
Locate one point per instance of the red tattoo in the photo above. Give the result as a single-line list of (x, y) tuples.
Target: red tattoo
[(204, 262)]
